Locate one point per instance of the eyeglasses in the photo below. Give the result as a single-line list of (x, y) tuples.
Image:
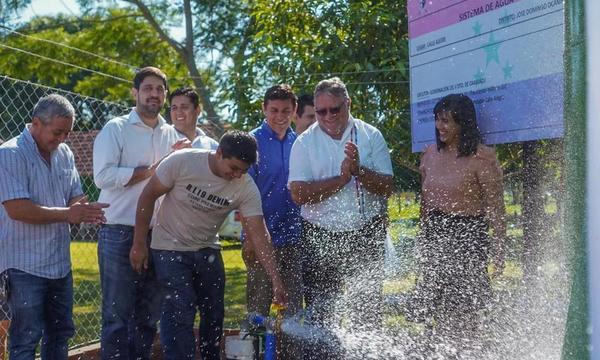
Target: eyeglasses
[(333, 111)]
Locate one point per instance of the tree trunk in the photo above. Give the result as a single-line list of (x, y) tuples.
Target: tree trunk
[(533, 209)]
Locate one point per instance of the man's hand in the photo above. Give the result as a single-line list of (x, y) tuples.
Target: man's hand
[(351, 151), (181, 144), (138, 257), (84, 212), (345, 172)]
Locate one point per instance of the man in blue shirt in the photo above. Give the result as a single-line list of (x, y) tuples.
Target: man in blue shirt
[(275, 138), (41, 194)]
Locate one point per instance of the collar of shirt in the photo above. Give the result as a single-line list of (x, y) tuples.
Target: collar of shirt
[(267, 129), (30, 143), (347, 132), (199, 132), (134, 118)]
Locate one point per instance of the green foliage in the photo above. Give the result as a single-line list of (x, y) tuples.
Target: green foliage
[(115, 34)]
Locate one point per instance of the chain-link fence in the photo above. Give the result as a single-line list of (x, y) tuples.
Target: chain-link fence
[(17, 99)]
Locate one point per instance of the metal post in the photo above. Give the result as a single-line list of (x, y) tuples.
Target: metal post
[(576, 337)]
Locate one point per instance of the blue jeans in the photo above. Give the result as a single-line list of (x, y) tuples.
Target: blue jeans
[(130, 301), (41, 309), (194, 279)]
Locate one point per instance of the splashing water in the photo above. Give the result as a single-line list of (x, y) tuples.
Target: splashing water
[(525, 319)]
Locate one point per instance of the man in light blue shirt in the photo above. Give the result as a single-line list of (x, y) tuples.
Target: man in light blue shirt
[(41, 194), (275, 138)]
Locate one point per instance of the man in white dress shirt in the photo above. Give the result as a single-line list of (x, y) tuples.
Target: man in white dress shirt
[(126, 153)]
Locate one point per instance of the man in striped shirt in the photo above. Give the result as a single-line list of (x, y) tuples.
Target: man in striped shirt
[(41, 194)]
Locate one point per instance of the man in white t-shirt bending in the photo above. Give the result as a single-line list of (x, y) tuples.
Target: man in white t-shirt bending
[(341, 175), (201, 188)]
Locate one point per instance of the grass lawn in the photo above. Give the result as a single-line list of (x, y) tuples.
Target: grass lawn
[(87, 296)]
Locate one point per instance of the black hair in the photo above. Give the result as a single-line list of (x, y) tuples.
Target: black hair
[(280, 92), (186, 91), (143, 73), (240, 145), (463, 112), (304, 100)]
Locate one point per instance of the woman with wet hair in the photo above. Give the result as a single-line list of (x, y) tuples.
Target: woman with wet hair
[(461, 201)]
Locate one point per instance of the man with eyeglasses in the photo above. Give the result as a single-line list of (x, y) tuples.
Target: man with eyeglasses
[(340, 174)]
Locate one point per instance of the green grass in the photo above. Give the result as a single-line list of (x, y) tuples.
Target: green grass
[(87, 295)]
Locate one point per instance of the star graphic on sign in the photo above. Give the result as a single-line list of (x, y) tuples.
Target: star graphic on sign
[(507, 69), (477, 28), (491, 51), (479, 75)]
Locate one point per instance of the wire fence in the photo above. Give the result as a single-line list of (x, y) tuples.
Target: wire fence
[(17, 99)]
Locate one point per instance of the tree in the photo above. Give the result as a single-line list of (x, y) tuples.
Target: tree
[(40, 50), (245, 46)]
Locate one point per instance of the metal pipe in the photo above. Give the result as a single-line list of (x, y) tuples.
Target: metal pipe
[(576, 337)]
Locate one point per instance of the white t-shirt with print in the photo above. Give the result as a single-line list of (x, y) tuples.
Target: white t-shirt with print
[(198, 202)]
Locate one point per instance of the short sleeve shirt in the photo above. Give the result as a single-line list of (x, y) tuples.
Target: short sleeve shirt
[(198, 202), (317, 156)]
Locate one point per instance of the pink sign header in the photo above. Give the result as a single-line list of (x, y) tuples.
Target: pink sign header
[(425, 16)]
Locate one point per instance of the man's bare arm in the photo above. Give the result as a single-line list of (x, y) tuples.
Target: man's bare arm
[(138, 255), (29, 212)]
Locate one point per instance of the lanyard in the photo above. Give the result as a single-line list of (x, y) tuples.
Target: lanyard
[(360, 195)]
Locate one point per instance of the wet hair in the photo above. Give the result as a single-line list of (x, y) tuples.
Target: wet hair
[(304, 100), (189, 92), (52, 106), (280, 92), (143, 73), (333, 86), (462, 109), (240, 145)]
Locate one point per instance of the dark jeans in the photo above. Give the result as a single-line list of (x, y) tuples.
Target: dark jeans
[(338, 263), (130, 301), (41, 309), (194, 279)]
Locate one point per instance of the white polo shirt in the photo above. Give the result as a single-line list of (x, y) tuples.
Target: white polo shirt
[(203, 141), (123, 144), (316, 156)]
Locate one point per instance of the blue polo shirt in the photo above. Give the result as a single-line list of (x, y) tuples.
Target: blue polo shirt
[(271, 173)]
